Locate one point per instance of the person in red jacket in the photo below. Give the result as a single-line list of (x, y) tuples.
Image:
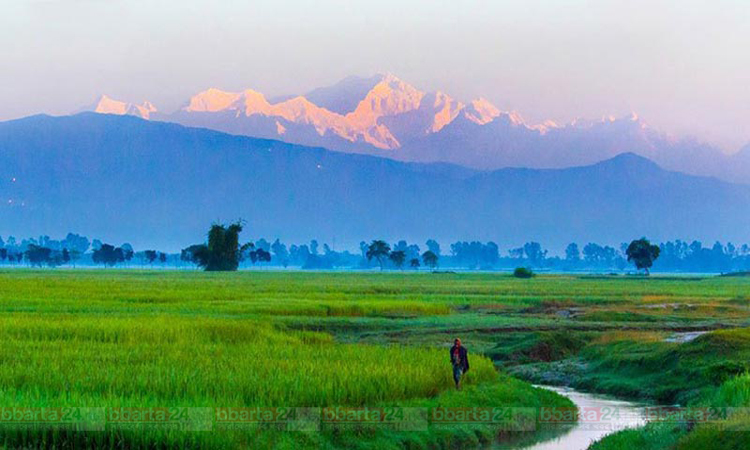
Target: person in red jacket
[(460, 361)]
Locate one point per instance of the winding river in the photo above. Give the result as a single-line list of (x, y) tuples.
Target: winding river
[(599, 416)]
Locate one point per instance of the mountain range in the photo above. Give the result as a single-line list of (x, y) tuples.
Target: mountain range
[(385, 116), (156, 184)]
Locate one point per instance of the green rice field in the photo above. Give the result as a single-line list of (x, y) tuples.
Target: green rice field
[(192, 343)]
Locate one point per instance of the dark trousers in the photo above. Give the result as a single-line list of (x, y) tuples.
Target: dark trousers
[(458, 371)]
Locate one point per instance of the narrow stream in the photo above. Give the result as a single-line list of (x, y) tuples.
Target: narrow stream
[(598, 416)]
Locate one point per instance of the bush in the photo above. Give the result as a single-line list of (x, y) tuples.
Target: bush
[(522, 272)]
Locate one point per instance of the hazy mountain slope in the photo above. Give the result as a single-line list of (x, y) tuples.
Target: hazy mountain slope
[(158, 184)]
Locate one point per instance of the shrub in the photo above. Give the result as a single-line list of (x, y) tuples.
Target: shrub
[(523, 272)]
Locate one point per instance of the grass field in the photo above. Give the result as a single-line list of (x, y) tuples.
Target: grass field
[(132, 339)]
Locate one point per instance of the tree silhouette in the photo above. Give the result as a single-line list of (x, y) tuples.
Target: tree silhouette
[(572, 253), (642, 253), (398, 257), (151, 256), (378, 250), (223, 251), (188, 254), (430, 259), (414, 263), (108, 255), (262, 255), (38, 255)]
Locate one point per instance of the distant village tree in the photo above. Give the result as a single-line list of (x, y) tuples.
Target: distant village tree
[(414, 263), (151, 256), (430, 259), (37, 255), (572, 253), (397, 258), (263, 255), (108, 255), (643, 254), (223, 251), (378, 250), (188, 254)]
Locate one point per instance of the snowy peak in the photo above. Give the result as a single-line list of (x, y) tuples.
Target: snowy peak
[(357, 114), (107, 105), (481, 111), (212, 100), (389, 97)]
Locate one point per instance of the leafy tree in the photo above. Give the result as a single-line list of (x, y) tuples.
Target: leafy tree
[(642, 253), (223, 251), (534, 252), (414, 263), (397, 258), (433, 246), (151, 256), (108, 255), (65, 256), (37, 255), (162, 257), (263, 255), (378, 250), (188, 254), (75, 242), (280, 251), (3, 254), (572, 253), (127, 251), (430, 259)]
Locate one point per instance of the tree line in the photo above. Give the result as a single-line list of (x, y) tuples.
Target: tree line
[(73, 250), (77, 250)]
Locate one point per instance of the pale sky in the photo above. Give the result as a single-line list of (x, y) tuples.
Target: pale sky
[(682, 65)]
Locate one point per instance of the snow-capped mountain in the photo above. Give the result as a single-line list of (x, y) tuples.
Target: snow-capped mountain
[(382, 112), (385, 116), (106, 105)]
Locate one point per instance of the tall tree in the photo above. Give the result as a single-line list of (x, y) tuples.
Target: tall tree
[(430, 259), (572, 253), (378, 250), (433, 246), (534, 252), (151, 255), (223, 251), (108, 255), (397, 258), (37, 255), (642, 253), (281, 253)]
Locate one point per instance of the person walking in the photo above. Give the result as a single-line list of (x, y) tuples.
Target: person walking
[(460, 361)]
